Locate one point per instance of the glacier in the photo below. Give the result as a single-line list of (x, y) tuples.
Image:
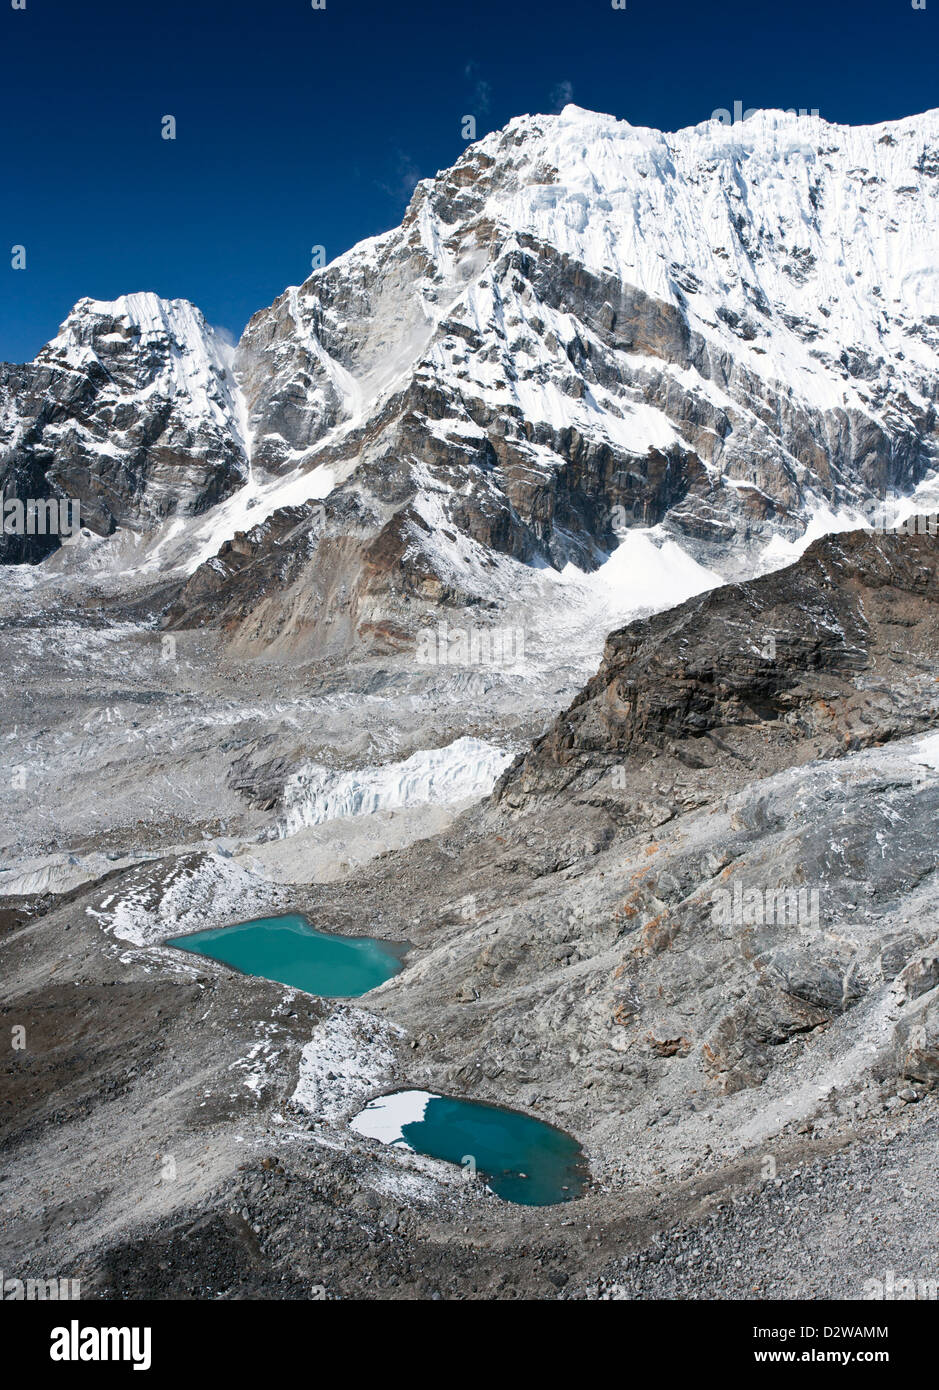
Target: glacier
[(466, 770)]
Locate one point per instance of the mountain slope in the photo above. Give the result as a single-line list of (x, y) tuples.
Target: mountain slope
[(757, 297)]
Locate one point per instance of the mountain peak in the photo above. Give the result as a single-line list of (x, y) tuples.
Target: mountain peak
[(725, 330)]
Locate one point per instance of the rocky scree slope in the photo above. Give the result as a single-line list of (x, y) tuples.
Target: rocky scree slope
[(578, 964), (566, 959)]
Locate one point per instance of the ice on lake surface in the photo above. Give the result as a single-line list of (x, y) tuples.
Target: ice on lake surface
[(522, 1159)]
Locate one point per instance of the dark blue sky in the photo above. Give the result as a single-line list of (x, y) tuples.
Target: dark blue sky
[(298, 127)]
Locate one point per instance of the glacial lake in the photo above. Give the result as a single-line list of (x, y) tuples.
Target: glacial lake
[(520, 1158), (287, 949)]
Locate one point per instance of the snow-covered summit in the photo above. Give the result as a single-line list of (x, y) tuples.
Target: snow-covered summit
[(133, 408), (817, 237), (178, 355)]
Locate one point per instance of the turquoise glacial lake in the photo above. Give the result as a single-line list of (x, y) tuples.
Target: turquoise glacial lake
[(287, 949), (520, 1158)]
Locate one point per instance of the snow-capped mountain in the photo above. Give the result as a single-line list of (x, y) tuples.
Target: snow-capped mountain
[(582, 326), (132, 408)]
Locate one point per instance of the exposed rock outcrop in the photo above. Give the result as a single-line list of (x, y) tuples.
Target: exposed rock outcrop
[(833, 654)]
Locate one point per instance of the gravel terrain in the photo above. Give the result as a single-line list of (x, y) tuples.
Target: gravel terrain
[(755, 1096)]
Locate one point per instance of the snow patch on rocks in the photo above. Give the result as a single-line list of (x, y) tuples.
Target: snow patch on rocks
[(350, 1054), (420, 1182), (925, 751), (184, 898), (257, 1065)]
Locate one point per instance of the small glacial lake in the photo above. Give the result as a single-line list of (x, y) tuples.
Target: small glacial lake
[(520, 1158), (287, 949)]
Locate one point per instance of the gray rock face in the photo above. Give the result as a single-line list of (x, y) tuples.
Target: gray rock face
[(131, 411)]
